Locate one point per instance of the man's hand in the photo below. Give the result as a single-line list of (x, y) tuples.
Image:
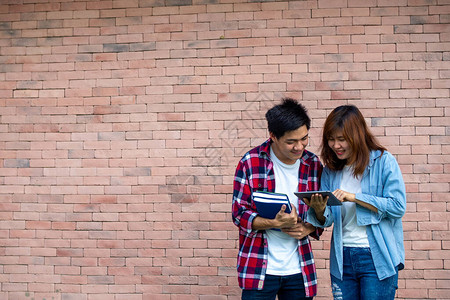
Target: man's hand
[(285, 220), (282, 220), (299, 230)]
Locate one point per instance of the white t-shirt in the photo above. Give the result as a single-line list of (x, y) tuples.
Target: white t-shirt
[(283, 256), (352, 234)]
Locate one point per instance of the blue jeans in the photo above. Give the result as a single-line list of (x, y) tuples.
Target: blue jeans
[(289, 287), (360, 280)]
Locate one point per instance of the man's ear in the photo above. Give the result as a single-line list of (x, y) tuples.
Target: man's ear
[(272, 136)]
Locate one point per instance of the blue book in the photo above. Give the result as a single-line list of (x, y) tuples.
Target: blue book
[(269, 204)]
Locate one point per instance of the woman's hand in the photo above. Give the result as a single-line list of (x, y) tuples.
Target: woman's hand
[(349, 197), (318, 203), (344, 196)]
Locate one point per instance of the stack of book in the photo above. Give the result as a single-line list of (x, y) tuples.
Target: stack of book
[(269, 204)]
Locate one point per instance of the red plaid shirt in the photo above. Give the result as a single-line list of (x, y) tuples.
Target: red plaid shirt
[(255, 173)]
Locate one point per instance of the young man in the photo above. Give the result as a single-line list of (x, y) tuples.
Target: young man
[(273, 262)]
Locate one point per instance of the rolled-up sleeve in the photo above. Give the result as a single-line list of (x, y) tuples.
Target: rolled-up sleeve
[(311, 215), (388, 196), (311, 218)]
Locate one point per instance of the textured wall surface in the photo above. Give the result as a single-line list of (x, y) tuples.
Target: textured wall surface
[(121, 123)]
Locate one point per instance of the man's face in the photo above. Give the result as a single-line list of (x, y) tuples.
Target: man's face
[(291, 145)]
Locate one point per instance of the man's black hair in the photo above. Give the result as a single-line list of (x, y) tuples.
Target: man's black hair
[(287, 116)]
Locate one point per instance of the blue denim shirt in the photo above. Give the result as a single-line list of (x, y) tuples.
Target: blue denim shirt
[(383, 187)]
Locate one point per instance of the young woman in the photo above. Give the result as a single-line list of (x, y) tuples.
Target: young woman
[(367, 242)]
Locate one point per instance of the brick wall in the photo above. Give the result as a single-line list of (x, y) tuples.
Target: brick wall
[(122, 122)]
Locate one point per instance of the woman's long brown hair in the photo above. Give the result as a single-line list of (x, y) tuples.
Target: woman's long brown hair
[(349, 120)]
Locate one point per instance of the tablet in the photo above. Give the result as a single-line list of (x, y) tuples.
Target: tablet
[(332, 200)]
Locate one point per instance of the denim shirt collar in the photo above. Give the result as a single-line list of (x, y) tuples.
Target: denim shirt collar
[(374, 155)]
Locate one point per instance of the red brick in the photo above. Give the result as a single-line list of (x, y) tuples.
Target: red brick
[(157, 107)]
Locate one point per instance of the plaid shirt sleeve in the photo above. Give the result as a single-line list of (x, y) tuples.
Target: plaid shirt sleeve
[(252, 257), (254, 173)]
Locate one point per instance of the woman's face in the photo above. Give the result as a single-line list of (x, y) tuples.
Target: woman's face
[(339, 145)]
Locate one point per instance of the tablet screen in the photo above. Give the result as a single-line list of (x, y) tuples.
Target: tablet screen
[(332, 200)]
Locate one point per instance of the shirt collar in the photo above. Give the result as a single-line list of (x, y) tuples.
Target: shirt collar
[(264, 152)]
